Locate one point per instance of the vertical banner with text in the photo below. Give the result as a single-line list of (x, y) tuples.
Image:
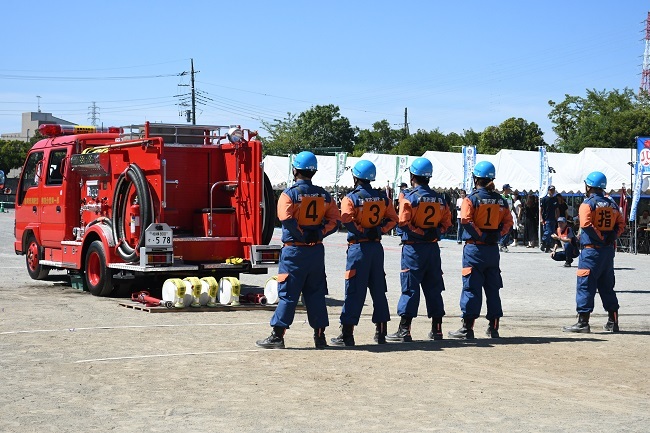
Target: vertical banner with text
[(544, 180), (341, 158), (469, 161), (636, 191), (643, 153), (401, 164)]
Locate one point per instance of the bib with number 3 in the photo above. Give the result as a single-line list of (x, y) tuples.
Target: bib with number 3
[(372, 213)]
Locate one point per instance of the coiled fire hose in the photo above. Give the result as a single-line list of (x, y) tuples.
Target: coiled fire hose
[(133, 175)]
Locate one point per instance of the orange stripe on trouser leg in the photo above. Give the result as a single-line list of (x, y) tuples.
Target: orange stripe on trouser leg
[(282, 278), (351, 273), (466, 271), (583, 272)]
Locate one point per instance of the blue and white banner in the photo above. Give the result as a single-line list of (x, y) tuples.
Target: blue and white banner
[(636, 190), (341, 158), (469, 161), (643, 153), (544, 178)]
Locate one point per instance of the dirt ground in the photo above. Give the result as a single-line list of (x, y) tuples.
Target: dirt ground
[(72, 362)]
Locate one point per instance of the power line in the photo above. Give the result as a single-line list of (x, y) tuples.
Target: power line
[(60, 78)]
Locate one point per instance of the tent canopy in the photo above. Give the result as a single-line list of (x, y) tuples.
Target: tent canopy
[(518, 168)]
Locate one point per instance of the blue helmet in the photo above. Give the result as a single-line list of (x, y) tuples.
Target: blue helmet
[(421, 167), (596, 179), (305, 161), (364, 169), (485, 169)]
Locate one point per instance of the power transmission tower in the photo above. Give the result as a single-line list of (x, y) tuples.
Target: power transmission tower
[(93, 114), (183, 98), (645, 73)]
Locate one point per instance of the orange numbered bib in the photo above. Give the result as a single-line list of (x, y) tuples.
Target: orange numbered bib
[(427, 215), (312, 211), (486, 216), (372, 213)]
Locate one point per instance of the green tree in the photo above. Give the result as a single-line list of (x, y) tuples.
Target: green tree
[(601, 119), (12, 154), (471, 137), (323, 129), (513, 133), (382, 139), (283, 136), (422, 141)]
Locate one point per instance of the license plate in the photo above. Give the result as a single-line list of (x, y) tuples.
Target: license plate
[(158, 238)]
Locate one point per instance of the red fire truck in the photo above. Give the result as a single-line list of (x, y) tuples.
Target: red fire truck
[(144, 203)]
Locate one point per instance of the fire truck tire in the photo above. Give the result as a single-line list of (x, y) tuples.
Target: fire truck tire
[(269, 211), (32, 259), (98, 276)]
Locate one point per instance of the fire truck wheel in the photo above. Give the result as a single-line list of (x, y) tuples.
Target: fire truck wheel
[(34, 267), (97, 274)]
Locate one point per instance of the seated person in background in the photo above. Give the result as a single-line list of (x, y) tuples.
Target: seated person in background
[(564, 235), (644, 220)]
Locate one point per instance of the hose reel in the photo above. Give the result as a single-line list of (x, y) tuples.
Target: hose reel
[(133, 175)]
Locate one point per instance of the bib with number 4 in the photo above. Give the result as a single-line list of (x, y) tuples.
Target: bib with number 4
[(312, 211)]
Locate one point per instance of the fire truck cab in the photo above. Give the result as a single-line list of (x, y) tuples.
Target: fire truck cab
[(145, 202)]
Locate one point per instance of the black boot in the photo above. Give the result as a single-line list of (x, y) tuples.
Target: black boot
[(493, 328), (436, 329), (582, 326), (403, 333), (612, 322), (346, 338), (466, 332), (380, 332), (319, 338), (274, 341)]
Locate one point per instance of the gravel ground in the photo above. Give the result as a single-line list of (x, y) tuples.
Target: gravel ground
[(72, 362)]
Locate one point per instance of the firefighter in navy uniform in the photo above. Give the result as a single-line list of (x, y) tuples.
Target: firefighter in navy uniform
[(368, 214), (308, 214), (423, 217), (601, 223), (485, 217)]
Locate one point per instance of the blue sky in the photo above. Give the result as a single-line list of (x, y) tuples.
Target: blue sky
[(455, 65)]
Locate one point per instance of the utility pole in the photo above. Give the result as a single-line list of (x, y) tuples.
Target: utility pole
[(39, 103), (183, 97), (93, 114), (406, 123), (193, 94)]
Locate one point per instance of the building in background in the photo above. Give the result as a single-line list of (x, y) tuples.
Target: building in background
[(30, 123)]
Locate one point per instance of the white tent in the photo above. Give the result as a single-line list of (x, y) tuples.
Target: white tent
[(518, 168), (387, 167), (278, 169)]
